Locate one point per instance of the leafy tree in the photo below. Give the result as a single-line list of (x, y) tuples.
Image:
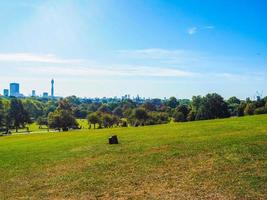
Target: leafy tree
[(107, 120), (259, 111), (211, 106), (61, 119), (118, 112), (233, 100), (179, 116), (149, 106), (241, 108), (17, 115), (202, 113), (34, 108), (249, 109), (123, 123), (197, 101), (42, 121), (93, 118), (1, 114), (216, 106), (140, 115), (233, 106), (191, 116), (183, 109), (157, 118), (104, 109), (172, 102), (115, 120)]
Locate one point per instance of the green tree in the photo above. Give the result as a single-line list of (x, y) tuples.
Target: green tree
[(42, 121), (140, 115), (241, 108), (260, 111), (17, 115), (183, 109), (216, 106), (179, 116), (63, 117), (149, 106), (249, 109), (191, 116), (104, 109), (107, 120), (172, 102), (233, 100), (118, 112), (93, 118), (1, 114), (211, 106), (33, 107)]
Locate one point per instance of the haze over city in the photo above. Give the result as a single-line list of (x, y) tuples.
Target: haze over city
[(151, 48)]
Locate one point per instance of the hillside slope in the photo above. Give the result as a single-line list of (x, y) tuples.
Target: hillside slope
[(217, 159)]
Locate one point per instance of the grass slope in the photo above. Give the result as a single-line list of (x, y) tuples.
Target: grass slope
[(218, 159)]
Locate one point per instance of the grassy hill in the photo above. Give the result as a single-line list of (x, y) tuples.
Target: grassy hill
[(218, 159)]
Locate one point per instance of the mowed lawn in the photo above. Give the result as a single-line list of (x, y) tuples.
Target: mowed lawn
[(217, 159)]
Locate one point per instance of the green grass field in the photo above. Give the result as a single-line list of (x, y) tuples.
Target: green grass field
[(218, 159)]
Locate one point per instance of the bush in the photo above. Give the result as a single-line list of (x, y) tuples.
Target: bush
[(179, 117), (249, 109), (259, 111), (191, 116)]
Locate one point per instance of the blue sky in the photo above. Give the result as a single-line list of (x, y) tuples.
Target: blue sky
[(154, 48)]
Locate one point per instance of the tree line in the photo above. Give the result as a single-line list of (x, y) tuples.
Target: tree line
[(63, 114)]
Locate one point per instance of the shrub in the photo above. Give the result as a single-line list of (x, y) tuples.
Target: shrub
[(259, 111), (179, 117), (249, 109)]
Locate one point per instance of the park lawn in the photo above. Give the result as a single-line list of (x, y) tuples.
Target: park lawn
[(216, 159)]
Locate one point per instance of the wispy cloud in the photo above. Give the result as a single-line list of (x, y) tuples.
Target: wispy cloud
[(195, 29), (123, 70), (208, 27), (192, 30), (41, 58), (152, 62), (162, 56)]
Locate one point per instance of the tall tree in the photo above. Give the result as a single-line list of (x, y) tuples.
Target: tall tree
[(172, 102), (93, 118), (1, 114), (17, 115), (63, 117), (140, 115)]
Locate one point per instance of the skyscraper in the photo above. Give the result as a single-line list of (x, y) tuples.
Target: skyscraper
[(33, 93), (52, 87), (14, 89), (6, 92)]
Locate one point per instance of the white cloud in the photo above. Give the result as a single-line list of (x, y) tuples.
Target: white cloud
[(119, 70), (192, 30), (208, 27), (41, 58), (163, 56)]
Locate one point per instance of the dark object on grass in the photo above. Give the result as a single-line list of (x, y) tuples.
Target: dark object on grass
[(113, 140)]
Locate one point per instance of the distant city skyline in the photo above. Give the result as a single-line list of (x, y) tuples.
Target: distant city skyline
[(153, 48), (14, 91)]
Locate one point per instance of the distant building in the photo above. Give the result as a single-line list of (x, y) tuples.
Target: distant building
[(14, 89), (52, 87), (33, 93), (6, 92), (45, 95)]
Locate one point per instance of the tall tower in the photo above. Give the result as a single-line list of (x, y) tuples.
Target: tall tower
[(52, 87)]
